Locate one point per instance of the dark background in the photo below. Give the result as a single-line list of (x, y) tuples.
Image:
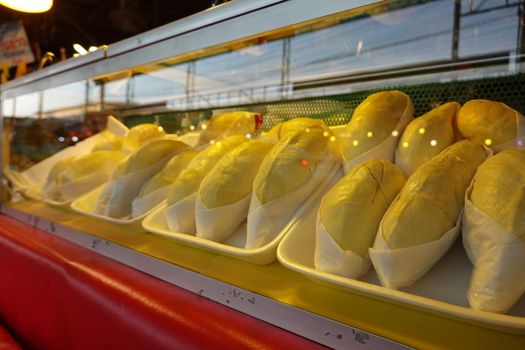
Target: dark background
[(97, 22)]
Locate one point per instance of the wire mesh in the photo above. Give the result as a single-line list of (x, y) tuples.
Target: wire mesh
[(338, 109)]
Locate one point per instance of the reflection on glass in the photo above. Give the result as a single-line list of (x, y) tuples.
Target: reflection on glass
[(93, 96), (398, 35), (116, 93), (159, 85), (47, 121), (27, 106), (409, 35), (240, 76), (490, 28), (245, 68), (65, 101), (8, 107), (392, 37)]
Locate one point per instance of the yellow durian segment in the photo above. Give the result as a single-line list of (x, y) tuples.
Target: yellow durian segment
[(373, 121), (430, 202), (109, 142), (282, 130), (167, 176), (290, 163), (232, 178), (55, 174), (499, 190), (139, 134), (228, 124), (151, 153), (72, 168), (487, 122), (189, 180), (427, 136), (352, 210)]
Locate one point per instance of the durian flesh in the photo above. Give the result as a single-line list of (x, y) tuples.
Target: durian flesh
[(499, 190), (430, 202), (487, 122), (151, 153), (373, 121), (228, 124), (189, 180), (427, 136), (352, 210), (170, 172), (284, 129), (139, 134), (290, 163), (232, 178), (71, 168), (109, 142)]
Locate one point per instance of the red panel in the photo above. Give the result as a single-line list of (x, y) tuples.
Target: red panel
[(57, 295), (6, 341)]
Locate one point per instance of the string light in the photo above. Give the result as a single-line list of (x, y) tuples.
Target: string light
[(31, 6), (80, 49)]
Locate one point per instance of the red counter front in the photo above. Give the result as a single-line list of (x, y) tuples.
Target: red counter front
[(57, 295)]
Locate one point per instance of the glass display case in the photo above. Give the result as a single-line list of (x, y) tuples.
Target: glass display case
[(276, 61)]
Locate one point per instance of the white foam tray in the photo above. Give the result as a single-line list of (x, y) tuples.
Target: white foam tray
[(442, 290), (234, 245), (86, 205)]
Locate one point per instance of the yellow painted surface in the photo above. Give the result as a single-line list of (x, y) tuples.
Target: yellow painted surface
[(413, 327)]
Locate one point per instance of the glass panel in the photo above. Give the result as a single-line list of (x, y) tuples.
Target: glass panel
[(116, 93), (8, 108), (391, 43), (27, 106), (239, 76), (48, 121), (377, 41), (497, 25), (65, 101), (159, 84)]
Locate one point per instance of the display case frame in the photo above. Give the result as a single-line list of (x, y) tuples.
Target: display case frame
[(212, 30)]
